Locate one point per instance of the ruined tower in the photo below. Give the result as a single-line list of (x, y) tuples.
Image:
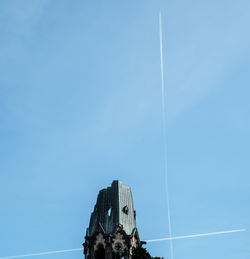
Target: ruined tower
[(112, 232)]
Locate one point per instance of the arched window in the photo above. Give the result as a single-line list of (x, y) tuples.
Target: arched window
[(100, 252)]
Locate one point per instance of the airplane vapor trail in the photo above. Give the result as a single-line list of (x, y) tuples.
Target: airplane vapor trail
[(165, 137), (195, 235), (42, 253), (152, 240)]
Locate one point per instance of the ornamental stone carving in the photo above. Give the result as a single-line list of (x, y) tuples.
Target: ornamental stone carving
[(118, 244), (99, 241)]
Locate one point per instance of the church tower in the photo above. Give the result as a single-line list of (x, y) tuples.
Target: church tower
[(112, 232)]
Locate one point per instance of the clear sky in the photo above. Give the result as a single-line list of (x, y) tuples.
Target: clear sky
[(80, 106)]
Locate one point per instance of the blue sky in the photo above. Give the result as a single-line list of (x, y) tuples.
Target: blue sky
[(80, 106)]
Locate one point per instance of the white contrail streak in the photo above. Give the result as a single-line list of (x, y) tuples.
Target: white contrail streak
[(152, 240), (165, 138), (43, 253), (195, 235)]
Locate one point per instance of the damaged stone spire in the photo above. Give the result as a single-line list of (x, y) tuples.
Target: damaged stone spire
[(112, 232)]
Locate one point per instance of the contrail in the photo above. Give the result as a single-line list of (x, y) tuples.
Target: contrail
[(152, 240), (43, 253), (195, 235), (165, 138)]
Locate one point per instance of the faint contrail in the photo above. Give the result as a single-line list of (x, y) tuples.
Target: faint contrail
[(152, 240), (195, 235), (165, 137), (43, 253)]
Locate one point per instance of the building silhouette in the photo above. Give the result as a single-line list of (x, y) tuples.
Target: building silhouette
[(112, 231)]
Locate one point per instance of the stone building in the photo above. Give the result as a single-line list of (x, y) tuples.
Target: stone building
[(112, 232)]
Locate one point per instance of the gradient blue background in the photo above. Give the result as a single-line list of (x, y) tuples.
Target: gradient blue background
[(80, 105)]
